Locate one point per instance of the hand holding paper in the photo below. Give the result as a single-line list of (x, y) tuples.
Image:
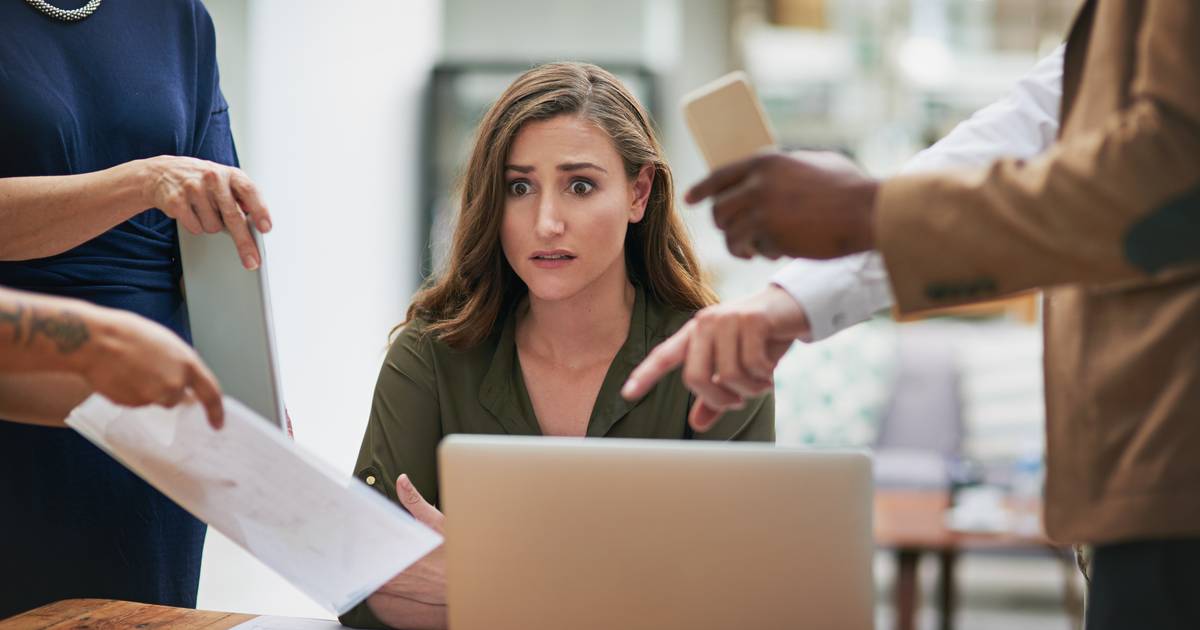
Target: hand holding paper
[(325, 532)]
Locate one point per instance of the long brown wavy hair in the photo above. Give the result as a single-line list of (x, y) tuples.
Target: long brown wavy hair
[(462, 304)]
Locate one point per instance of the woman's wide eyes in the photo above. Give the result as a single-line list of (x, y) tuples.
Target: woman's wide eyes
[(519, 188)]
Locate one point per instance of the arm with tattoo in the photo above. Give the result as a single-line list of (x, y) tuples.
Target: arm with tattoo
[(39, 333), (55, 351)]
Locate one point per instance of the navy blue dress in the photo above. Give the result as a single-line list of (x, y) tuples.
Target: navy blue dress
[(137, 79)]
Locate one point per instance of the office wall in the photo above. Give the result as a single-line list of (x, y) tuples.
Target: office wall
[(326, 104)]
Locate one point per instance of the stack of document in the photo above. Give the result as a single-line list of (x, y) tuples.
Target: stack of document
[(327, 533)]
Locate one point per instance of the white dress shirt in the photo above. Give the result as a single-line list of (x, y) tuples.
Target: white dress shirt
[(844, 291)]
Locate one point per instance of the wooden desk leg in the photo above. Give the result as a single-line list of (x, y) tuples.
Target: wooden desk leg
[(946, 588), (906, 588)]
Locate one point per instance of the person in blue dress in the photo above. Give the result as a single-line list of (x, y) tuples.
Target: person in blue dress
[(113, 130)]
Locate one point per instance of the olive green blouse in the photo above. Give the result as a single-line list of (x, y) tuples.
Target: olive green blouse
[(427, 390)]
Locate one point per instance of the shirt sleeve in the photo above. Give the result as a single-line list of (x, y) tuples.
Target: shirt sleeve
[(842, 292), (402, 433), (1117, 200)]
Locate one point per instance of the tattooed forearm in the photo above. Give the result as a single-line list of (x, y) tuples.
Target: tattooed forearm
[(67, 330), (13, 318)]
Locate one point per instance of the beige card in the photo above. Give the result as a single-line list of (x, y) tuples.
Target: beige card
[(727, 120)]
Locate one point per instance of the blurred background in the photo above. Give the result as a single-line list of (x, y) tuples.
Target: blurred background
[(354, 118)]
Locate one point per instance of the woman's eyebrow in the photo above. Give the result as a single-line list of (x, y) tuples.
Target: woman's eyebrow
[(575, 166), (519, 168)]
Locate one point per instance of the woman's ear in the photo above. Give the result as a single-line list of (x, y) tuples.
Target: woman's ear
[(642, 185)]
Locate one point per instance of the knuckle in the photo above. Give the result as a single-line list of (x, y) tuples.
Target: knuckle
[(231, 214), (707, 317), (176, 384), (193, 186), (242, 182)]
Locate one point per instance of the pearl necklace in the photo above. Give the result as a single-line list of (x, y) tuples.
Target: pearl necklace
[(73, 15)]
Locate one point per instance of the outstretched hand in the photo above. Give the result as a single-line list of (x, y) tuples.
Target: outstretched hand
[(728, 353)]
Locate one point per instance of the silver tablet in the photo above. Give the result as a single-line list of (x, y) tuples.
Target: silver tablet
[(229, 309)]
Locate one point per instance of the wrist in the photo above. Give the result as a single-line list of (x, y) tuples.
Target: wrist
[(787, 316), (865, 195), (134, 182)]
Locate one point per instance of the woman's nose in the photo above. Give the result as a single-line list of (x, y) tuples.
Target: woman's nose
[(549, 219)]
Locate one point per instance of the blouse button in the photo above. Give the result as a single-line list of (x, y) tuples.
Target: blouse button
[(370, 480)]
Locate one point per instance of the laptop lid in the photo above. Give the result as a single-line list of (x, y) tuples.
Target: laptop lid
[(607, 533)]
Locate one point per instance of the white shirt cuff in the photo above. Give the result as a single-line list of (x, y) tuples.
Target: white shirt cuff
[(838, 293)]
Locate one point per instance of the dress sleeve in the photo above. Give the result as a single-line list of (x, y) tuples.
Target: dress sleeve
[(216, 143), (402, 433), (213, 139)]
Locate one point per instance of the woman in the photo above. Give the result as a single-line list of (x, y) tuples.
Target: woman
[(569, 263), (117, 112)]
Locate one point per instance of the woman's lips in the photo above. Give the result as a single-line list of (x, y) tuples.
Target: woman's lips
[(551, 260)]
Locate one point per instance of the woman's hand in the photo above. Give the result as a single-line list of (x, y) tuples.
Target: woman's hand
[(134, 361), (415, 598), (424, 581), (207, 197)]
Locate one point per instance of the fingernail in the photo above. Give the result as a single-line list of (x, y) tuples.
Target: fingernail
[(250, 262), (264, 225), (403, 480), (629, 388)]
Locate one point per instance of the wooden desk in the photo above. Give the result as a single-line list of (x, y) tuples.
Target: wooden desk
[(107, 613), (912, 523)]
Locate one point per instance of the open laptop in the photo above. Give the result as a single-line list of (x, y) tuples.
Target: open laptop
[(553, 533), (229, 310)]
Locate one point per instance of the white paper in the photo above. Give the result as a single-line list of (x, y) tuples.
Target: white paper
[(267, 622), (326, 532)]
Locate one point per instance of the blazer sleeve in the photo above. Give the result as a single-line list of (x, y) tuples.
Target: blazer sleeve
[(1118, 201), (842, 292)]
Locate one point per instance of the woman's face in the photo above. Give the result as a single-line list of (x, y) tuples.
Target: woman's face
[(568, 204)]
